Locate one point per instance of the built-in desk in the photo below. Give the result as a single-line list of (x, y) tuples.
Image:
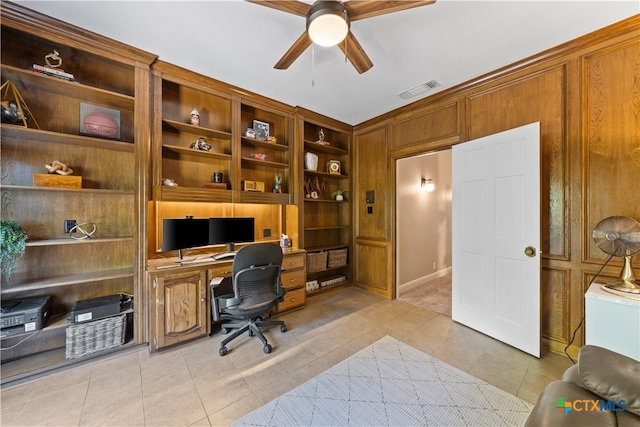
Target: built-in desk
[(179, 296)]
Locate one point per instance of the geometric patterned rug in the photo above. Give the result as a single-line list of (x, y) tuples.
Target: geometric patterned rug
[(391, 383)]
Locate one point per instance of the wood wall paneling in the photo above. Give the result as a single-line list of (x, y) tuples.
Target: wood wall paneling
[(538, 97), (372, 169), (373, 267), (585, 93), (555, 310), (612, 138), (429, 125)]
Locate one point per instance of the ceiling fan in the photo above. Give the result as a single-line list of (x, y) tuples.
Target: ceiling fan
[(332, 18)]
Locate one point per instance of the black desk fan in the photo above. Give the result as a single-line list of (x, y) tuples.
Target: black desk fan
[(620, 236)]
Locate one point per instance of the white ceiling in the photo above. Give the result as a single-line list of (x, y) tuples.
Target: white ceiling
[(238, 43)]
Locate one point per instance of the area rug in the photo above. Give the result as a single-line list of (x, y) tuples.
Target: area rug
[(434, 295), (392, 384)]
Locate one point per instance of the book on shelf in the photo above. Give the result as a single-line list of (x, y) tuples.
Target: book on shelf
[(53, 72)]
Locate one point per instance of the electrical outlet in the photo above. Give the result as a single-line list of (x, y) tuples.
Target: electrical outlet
[(434, 265), (69, 224), (266, 232)]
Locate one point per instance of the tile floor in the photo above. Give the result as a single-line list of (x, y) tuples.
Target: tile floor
[(193, 386)]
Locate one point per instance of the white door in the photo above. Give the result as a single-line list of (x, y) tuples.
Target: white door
[(496, 227)]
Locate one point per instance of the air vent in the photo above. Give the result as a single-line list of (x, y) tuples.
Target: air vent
[(420, 89)]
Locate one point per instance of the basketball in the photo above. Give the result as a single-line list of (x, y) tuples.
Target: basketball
[(101, 124)]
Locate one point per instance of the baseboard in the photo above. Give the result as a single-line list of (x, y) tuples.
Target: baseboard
[(419, 281)]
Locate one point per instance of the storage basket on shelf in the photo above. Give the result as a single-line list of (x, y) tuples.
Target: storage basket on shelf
[(316, 261), (337, 258), (87, 338)]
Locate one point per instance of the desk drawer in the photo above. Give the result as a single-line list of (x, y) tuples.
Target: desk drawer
[(221, 271), (293, 299), (293, 279), (291, 262)]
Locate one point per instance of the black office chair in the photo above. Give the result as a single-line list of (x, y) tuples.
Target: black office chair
[(256, 289)]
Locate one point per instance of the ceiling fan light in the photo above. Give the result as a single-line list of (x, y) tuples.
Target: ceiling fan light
[(327, 23)]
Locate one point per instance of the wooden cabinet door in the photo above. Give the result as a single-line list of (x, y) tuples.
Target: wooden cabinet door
[(179, 307)]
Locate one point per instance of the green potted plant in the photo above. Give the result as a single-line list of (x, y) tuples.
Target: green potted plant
[(13, 244), (338, 194)]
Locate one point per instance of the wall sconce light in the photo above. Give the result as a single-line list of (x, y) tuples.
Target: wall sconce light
[(427, 185)]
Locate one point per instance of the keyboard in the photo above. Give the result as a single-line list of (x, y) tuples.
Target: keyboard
[(224, 256)]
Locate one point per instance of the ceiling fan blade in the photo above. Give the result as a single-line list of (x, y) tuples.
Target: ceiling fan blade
[(300, 45), (291, 6), (355, 53), (361, 9)]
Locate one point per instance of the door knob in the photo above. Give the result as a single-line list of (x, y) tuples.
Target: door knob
[(530, 251)]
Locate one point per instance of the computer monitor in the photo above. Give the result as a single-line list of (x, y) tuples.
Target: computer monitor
[(229, 231), (184, 233)]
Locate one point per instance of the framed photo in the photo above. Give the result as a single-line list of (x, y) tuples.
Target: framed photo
[(99, 121), (333, 167), (261, 130)]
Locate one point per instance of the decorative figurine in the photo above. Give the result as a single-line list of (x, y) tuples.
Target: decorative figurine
[(195, 117), (272, 139), (55, 56), (169, 182), (321, 135), (59, 168), (200, 144), (250, 133), (277, 184)]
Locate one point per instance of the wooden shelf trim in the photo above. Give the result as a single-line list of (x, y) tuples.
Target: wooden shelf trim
[(78, 190), (264, 144), (67, 280), (327, 247), (326, 174), (200, 153), (70, 241), (63, 320), (265, 163), (326, 227), (325, 200), (195, 194), (43, 83), (48, 137), (196, 130), (314, 146)]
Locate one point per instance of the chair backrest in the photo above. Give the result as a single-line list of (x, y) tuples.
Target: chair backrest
[(256, 274)]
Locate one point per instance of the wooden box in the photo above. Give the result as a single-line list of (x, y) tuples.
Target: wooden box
[(54, 180), (253, 186)]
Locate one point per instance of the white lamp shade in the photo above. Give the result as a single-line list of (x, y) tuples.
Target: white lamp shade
[(328, 29)]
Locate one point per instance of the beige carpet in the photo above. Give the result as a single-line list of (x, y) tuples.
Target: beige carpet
[(434, 295), (392, 384)]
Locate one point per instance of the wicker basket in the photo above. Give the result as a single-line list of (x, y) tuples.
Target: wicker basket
[(337, 258), (316, 261), (91, 337)]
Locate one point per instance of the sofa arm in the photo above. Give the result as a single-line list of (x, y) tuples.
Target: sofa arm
[(546, 412), (611, 376)]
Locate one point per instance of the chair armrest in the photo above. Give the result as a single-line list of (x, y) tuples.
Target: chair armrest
[(610, 375)]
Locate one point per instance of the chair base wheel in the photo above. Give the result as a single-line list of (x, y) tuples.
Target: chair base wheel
[(283, 328), (223, 351), (267, 349), (224, 331)]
